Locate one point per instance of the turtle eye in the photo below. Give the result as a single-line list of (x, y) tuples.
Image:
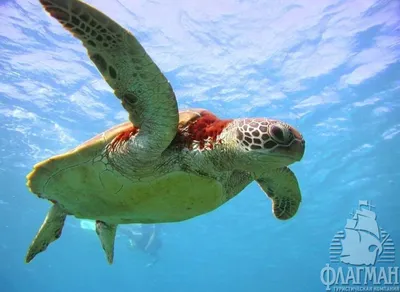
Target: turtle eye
[(277, 133)]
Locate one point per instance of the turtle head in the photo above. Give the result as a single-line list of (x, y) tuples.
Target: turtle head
[(268, 143)]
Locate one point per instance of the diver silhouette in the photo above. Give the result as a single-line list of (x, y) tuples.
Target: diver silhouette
[(146, 238)]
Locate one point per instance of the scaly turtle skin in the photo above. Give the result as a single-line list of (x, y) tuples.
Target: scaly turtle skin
[(162, 165)]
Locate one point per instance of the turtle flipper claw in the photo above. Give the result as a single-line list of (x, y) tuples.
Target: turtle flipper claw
[(49, 231)]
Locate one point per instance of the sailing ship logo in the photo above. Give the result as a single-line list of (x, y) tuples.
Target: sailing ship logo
[(362, 242), (362, 256)]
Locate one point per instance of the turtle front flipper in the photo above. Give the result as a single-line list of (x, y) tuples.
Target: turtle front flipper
[(144, 91), (282, 187), (49, 231), (106, 233)]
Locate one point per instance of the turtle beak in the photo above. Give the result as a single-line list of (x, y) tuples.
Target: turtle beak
[(298, 145), (295, 149), (298, 148)]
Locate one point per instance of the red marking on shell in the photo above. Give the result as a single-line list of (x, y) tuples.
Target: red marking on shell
[(123, 136), (206, 127)]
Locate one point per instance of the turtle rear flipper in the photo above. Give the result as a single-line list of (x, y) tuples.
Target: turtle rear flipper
[(49, 231), (106, 233)]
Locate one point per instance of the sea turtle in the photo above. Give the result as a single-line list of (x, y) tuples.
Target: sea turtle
[(162, 165)]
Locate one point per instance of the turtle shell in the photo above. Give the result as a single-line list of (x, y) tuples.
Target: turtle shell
[(85, 184)]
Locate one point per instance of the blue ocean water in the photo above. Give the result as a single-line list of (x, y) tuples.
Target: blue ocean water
[(330, 68)]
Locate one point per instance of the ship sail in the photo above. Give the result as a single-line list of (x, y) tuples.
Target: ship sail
[(351, 242), (351, 224), (366, 222), (360, 248), (361, 245)]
